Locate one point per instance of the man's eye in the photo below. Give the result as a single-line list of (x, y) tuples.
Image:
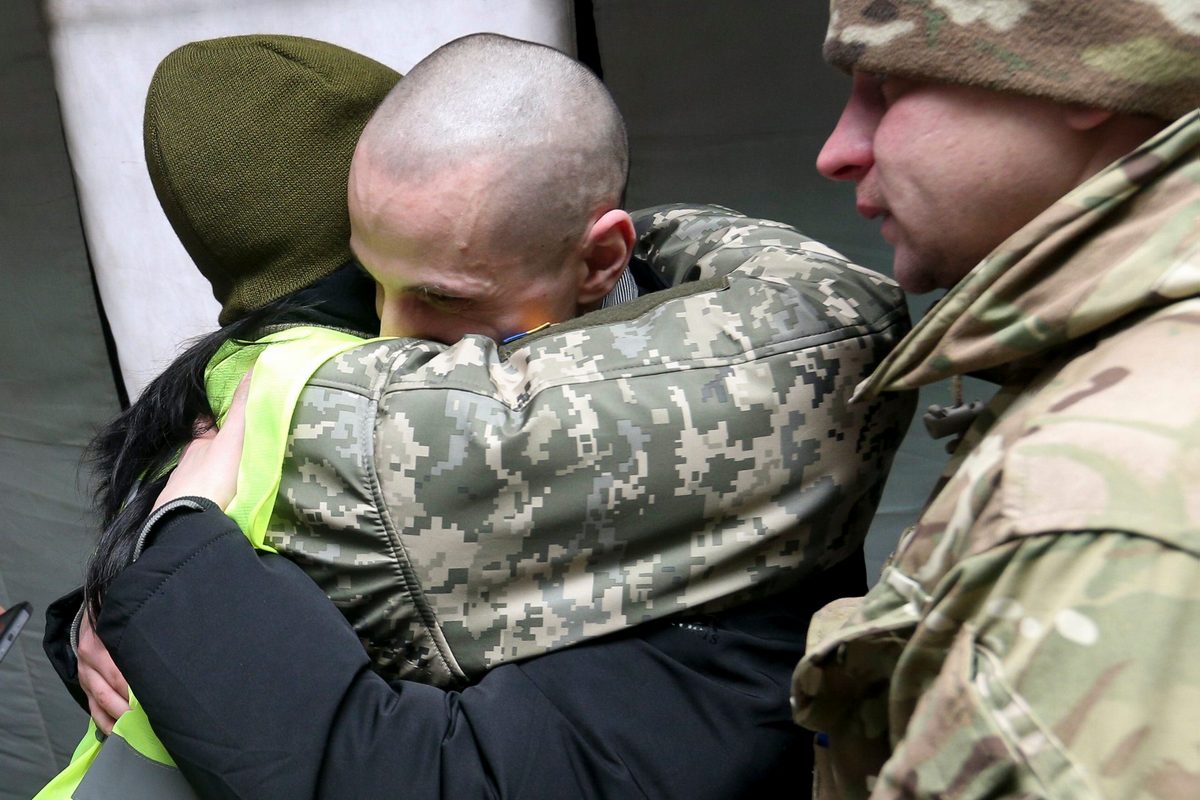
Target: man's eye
[(444, 302)]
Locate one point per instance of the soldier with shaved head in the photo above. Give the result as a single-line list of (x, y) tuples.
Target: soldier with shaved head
[(1035, 634), (491, 207)]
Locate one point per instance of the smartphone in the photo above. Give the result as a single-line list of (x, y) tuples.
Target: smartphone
[(11, 622)]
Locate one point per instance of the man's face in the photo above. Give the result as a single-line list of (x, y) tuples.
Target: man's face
[(952, 171), (441, 267)]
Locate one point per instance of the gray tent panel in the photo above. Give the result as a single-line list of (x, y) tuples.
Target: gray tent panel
[(56, 387)]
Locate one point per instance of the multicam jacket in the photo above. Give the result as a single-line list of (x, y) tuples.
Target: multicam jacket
[(1037, 632), (470, 505)]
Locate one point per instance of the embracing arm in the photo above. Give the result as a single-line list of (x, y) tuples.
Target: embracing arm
[(200, 621), (208, 467), (259, 688)]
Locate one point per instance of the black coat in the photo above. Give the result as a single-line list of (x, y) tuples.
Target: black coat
[(259, 689)]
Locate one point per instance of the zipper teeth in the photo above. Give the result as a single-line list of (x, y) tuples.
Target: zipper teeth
[(75, 630), (408, 579), (158, 514)]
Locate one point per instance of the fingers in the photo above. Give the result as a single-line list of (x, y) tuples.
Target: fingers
[(241, 393), (234, 424), (231, 436), (104, 685), (208, 466), (104, 723)]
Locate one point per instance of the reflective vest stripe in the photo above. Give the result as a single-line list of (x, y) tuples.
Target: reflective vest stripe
[(132, 763)]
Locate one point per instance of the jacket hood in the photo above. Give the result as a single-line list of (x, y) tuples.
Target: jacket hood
[(1125, 241)]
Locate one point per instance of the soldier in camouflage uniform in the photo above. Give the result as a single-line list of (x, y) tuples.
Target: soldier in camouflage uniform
[(695, 446), (1035, 634)]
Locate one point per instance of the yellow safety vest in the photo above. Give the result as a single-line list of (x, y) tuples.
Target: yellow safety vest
[(131, 763)]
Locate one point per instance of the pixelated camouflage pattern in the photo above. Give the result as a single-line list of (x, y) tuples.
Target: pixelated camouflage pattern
[(464, 509), (1135, 56), (1035, 635)]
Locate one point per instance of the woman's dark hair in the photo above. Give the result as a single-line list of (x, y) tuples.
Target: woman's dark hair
[(143, 441), (131, 456)]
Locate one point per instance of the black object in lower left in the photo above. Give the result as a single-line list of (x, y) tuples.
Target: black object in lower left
[(11, 623)]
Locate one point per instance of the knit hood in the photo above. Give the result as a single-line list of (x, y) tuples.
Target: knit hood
[(248, 144)]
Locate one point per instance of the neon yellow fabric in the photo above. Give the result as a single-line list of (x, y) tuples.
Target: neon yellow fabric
[(133, 727), (283, 362), (280, 373)]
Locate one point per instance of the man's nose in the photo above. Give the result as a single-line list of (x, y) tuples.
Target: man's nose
[(849, 152)]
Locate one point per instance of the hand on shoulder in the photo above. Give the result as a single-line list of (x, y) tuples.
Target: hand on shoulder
[(208, 467)]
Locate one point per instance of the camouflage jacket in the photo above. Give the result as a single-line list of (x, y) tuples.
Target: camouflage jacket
[(470, 505), (1036, 633)]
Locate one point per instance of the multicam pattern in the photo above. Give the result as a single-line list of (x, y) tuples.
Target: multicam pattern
[(1036, 633), (1138, 56), (465, 509)]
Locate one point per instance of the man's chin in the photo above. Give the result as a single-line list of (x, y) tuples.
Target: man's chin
[(912, 277)]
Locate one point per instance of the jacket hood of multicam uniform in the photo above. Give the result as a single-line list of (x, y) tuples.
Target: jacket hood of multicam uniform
[(471, 505), (1076, 269)]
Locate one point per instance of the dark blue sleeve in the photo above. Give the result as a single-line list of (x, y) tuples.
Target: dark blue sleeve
[(259, 688)]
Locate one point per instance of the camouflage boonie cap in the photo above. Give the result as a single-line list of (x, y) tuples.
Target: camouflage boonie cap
[(1131, 56)]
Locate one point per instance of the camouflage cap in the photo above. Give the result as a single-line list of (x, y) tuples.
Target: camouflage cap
[(248, 144), (1131, 56)]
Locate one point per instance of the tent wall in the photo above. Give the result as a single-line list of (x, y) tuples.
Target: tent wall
[(56, 386)]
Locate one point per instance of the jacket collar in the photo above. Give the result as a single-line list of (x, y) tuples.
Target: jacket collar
[(1126, 240)]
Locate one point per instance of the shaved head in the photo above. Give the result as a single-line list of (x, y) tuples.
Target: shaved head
[(541, 123), (485, 192)]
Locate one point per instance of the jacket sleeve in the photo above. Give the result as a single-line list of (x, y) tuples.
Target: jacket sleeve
[(1073, 673), (259, 688), (59, 642)]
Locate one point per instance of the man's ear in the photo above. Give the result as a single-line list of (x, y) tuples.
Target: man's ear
[(607, 247), (1083, 118), (1110, 135)]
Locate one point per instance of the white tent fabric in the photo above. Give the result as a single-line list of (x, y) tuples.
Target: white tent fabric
[(105, 52)]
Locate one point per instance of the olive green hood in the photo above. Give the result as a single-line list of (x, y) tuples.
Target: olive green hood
[(248, 143)]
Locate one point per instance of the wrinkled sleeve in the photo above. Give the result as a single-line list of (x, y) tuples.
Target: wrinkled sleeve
[(1072, 670), (259, 688)]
